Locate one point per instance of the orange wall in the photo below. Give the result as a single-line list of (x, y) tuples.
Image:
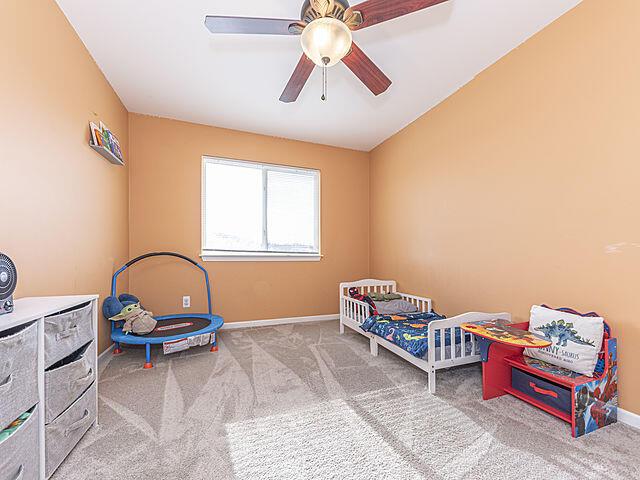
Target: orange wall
[(64, 217), (523, 186), (518, 189), (166, 163)]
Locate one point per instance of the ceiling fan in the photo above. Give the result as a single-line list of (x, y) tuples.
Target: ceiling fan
[(325, 28)]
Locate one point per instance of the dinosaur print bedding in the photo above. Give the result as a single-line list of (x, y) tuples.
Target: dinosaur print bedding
[(409, 331), (576, 339)]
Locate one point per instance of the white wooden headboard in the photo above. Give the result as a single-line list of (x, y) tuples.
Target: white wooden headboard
[(369, 285)]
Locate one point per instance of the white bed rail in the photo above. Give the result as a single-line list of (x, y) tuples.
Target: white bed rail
[(355, 310), (369, 285), (456, 353), (359, 311), (423, 304)]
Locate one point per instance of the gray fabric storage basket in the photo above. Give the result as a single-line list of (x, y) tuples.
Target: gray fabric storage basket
[(18, 372), (64, 384), (19, 454), (66, 332), (65, 432)]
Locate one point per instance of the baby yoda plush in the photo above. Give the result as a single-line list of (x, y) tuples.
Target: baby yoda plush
[(136, 320), (112, 306)]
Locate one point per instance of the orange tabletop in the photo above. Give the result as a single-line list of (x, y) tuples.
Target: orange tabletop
[(500, 331)]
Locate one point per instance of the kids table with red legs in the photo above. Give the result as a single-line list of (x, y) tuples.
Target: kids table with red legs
[(504, 340)]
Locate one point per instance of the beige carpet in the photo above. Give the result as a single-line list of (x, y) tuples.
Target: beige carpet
[(303, 402)]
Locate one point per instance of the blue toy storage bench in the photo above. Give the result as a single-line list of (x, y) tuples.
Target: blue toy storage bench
[(181, 325)]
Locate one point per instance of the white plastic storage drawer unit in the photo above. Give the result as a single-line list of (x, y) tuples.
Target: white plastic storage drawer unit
[(48, 365), (19, 452), (18, 371)]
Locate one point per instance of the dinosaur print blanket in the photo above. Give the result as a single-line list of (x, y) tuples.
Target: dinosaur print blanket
[(409, 331)]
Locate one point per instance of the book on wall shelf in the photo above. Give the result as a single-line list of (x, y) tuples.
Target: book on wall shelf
[(105, 143)]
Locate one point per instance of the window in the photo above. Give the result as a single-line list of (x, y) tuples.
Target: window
[(259, 211)]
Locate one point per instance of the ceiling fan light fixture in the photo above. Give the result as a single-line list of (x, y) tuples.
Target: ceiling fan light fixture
[(326, 41)]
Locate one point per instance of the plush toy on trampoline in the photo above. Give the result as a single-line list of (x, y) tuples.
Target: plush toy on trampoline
[(133, 325)]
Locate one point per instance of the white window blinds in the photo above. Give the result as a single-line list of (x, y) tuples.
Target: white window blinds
[(258, 208)]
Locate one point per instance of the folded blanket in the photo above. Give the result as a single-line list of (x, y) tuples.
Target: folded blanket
[(395, 306), (384, 297)]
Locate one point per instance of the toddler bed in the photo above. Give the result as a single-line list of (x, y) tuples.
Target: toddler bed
[(427, 340)]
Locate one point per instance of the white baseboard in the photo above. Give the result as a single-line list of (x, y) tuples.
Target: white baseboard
[(104, 358), (628, 418), (279, 321)]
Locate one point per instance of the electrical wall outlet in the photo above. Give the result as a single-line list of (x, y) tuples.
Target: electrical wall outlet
[(186, 301)]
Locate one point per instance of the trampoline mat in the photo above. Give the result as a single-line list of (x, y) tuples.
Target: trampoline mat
[(178, 326)]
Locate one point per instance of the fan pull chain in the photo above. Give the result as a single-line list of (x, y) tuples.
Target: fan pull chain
[(325, 60), (324, 84)]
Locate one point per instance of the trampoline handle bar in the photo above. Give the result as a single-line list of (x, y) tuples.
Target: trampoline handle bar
[(166, 254), (158, 254)]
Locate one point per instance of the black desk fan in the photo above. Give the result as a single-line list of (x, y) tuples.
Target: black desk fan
[(8, 282)]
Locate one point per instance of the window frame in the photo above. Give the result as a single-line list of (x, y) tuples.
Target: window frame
[(209, 255)]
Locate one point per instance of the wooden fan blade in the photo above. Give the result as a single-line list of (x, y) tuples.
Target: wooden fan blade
[(366, 70), (378, 11), (297, 81), (267, 26)]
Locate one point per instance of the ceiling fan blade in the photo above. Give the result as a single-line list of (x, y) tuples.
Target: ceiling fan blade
[(378, 11), (366, 70), (267, 26), (297, 81)]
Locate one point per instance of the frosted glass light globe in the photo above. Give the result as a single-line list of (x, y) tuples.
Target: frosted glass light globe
[(326, 39)]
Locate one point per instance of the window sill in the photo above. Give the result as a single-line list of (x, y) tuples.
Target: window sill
[(213, 256)]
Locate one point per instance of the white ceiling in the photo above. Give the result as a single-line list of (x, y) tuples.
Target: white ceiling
[(161, 60)]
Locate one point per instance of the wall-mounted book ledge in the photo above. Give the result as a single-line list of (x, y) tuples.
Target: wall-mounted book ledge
[(106, 153), (104, 142)]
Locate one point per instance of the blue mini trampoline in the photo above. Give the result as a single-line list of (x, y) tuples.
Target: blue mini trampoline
[(170, 328)]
